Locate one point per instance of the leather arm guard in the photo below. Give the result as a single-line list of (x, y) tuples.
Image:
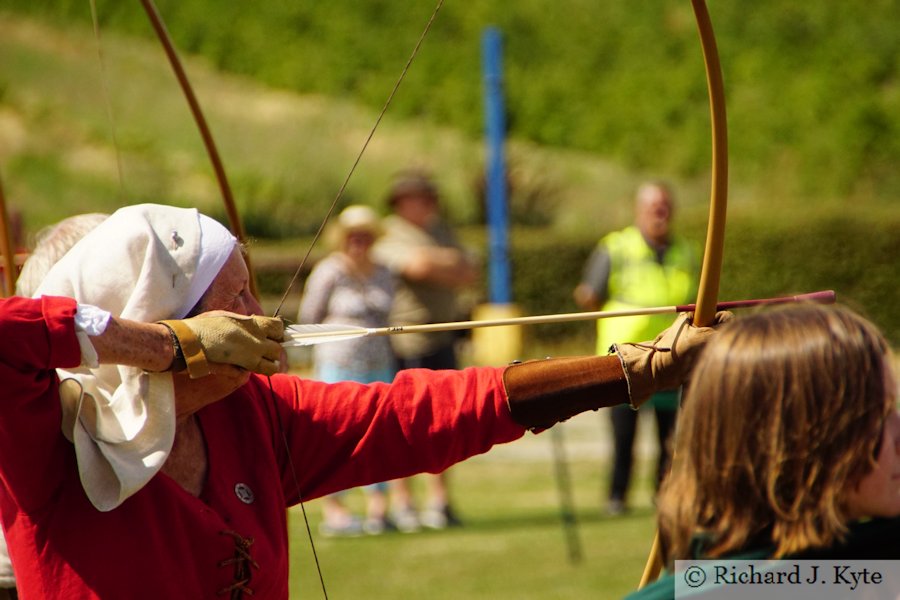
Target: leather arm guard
[(542, 393)]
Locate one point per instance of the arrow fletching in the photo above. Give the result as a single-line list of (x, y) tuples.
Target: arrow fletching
[(310, 335)]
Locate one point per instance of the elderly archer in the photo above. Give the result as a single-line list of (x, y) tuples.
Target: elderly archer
[(143, 459)]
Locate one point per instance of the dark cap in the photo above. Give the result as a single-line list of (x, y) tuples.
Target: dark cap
[(413, 182)]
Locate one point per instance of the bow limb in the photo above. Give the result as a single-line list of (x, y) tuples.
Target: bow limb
[(6, 247), (233, 217), (707, 294), (231, 210), (715, 236)]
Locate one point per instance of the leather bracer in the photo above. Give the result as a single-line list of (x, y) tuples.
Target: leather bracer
[(541, 393)]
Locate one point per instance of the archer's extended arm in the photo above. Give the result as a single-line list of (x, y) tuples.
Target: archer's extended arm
[(542, 393)]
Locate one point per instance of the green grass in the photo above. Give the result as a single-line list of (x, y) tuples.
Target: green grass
[(512, 545)]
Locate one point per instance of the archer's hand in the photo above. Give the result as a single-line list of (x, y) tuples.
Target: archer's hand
[(249, 342), (667, 361), (193, 394)]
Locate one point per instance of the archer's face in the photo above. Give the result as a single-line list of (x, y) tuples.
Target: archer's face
[(230, 290)]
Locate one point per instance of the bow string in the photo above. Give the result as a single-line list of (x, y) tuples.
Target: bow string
[(359, 156)]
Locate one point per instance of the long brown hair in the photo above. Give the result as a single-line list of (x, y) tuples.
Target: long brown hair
[(782, 418)]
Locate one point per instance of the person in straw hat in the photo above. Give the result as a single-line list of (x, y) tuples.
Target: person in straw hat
[(432, 269), (348, 288)]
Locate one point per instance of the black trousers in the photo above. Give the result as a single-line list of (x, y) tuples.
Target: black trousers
[(624, 424)]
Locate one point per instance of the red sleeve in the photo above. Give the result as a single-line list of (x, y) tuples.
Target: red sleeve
[(347, 434), (35, 337)]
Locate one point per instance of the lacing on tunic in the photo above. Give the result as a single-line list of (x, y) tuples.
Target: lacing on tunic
[(243, 566)]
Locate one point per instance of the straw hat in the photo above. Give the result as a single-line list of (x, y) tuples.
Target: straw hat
[(355, 218)]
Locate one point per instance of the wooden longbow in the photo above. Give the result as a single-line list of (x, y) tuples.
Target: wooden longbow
[(711, 270), (6, 248)]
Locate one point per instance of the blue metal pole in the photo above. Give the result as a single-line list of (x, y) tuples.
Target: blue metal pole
[(495, 117)]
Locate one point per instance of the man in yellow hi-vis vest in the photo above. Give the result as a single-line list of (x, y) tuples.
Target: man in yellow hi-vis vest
[(642, 265)]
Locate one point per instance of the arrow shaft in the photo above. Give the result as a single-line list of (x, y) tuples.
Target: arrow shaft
[(533, 320), (824, 297)]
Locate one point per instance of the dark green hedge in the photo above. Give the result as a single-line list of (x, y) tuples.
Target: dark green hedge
[(855, 257)]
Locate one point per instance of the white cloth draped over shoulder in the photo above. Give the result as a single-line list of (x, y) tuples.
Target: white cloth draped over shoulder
[(146, 262)]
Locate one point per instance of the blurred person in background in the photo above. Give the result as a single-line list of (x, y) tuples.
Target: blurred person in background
[(643, 265), (347, 288), (431, 267), (50, 244)]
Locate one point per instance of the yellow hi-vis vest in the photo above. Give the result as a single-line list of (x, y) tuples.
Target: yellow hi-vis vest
[(637, 280)]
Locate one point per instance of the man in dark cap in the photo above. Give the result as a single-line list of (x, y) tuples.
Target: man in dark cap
[(422, 251)]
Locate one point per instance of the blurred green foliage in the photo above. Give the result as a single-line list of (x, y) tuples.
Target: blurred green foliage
[(813, 105), (853, 254), (812, 87)]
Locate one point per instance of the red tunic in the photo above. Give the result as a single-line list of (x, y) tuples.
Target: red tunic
[(164, 543)]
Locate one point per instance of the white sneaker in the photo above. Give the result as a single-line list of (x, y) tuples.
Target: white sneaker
[(376, 526), (353, 527), (406, 520), (439, 518)]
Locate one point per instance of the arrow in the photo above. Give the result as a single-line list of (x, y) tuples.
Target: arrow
[(309, 335)]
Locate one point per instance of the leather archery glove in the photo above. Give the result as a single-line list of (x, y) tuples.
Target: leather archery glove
[(666, 362), (249, 342)]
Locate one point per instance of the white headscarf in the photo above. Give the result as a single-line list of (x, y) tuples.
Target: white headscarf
[(146, 262)]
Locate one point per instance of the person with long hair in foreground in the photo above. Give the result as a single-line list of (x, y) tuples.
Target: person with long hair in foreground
[(788, 445)]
